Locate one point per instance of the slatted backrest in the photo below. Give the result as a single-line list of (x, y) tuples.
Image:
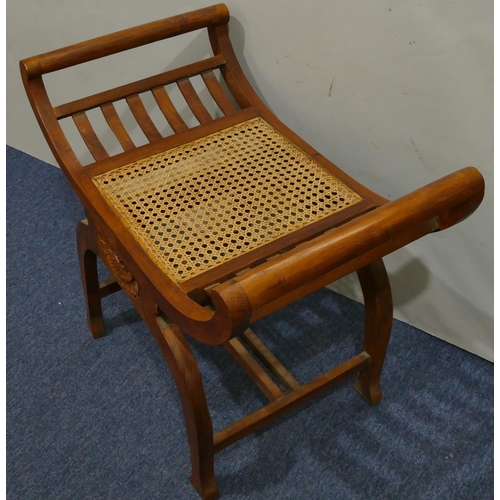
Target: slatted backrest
[(210, 74), (160, 87)]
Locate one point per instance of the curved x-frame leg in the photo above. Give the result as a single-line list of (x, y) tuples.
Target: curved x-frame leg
[(378, 323), (187, 377), (87, 256)]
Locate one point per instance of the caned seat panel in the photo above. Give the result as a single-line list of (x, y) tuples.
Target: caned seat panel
[(197, 206)]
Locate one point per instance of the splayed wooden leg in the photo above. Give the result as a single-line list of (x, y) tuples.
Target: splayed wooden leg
[(90, 280), (378, 323), (197, 419)]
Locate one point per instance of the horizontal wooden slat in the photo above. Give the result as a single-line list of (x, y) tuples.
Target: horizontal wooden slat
[(169, 142), (168, 109), (116, 125), (119, 41), (143, 119), (269, 360), (274, 410), (84, 126), (108, 287), (194, 101), (217, 92), (256, 372), (137, 87)]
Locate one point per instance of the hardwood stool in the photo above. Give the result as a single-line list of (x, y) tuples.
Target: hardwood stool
[(218, 225)]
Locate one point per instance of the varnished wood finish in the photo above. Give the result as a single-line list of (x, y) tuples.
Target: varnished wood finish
[(258, 375), (378, 323), (269, 360), (87, 256), (194, 102), (124, 40), (196, 415), (141, 115), (353, 239), (117, 93), (116, 125), (220, 304), (86, 130), (168, 109), (236, 81), (220, 97), (344, 270), (288, 402), (166, 143), (108, 287)]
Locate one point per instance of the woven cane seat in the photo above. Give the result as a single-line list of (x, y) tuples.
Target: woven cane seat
[(199, 205)]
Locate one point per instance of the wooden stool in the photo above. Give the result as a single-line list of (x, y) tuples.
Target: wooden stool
[(216, 226)]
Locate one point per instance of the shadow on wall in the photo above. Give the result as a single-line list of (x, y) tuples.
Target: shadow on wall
[(407, 283), (237, 34), (412, 282)]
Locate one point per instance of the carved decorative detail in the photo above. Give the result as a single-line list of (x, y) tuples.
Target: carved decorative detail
[(119, 270)]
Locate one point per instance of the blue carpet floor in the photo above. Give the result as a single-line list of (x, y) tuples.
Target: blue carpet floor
[(101, 419)]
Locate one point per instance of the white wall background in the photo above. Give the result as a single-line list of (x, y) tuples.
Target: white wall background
[(398, 93)]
